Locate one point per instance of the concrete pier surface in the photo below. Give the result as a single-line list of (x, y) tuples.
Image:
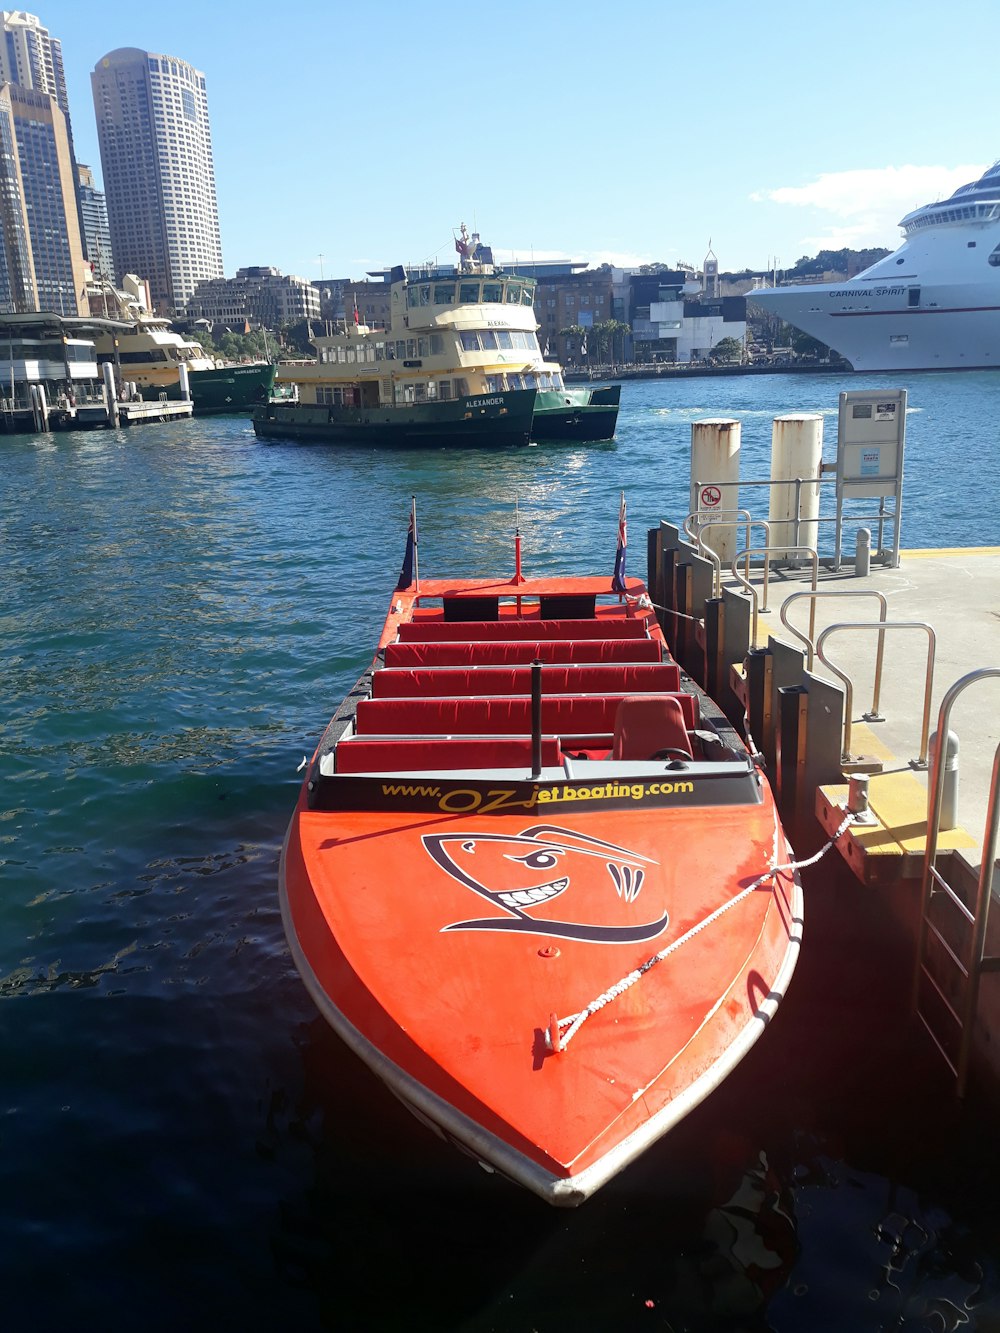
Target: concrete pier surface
[(956, 592)]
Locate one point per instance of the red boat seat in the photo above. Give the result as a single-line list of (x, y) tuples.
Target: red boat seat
[(450, 682), (645, 724), (409, 754), (520, 652), (417, 631), (563, 715)]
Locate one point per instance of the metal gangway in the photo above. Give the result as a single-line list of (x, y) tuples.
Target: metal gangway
[(960, 1002)]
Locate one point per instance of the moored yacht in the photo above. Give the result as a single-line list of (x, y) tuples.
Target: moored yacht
[(934, 304), (459, 362)]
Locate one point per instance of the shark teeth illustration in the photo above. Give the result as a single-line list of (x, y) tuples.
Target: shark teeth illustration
[(541, 893)]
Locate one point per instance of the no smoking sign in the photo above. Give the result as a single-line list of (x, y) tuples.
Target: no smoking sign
[(711, 497)]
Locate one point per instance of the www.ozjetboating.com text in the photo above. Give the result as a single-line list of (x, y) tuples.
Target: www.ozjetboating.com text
[(458, 800)]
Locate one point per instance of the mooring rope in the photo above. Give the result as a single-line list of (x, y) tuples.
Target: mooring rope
[(556, 1041)]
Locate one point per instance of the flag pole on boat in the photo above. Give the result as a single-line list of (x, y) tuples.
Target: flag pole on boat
[(517, 545), (618, 578), (409, 575)]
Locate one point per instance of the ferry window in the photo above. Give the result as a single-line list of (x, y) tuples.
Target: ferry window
[(468, 293), (390, 351), (444, 293), (444, 390), (351, 355), (425, 295), (488, 340), (400, 350), (412, 298), (411, 348), (470, 341), (380, 351), (494, 384), (504, 339), (492, 293), (461, 388), (527, 297), (994, 258), (513, 293), (432, 389), (437, 344), (913, 296), (420, 393), (423, 347)]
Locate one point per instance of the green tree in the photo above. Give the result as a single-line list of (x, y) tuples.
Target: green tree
[(728, 349), (575, 334)]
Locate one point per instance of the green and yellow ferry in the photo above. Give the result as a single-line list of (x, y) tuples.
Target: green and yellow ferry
[(459, 363)]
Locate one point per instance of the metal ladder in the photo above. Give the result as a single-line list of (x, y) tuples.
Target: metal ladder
[(971, 962)]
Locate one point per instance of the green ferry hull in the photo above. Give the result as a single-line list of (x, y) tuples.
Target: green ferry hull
[(228, 389), (496, 419), (576, 414)]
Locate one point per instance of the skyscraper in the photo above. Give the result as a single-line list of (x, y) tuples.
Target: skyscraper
[(159, 177), (96, 231), (31, 58), (41, 255), (41, 252)]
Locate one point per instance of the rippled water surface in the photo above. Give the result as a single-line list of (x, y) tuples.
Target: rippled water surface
[(183, 1144)]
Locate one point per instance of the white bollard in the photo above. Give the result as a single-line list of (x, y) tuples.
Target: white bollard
[(949, 792), (796, 451), (185, 383), (863, 553), (715, 461)]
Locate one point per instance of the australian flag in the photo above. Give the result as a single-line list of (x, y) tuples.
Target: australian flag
[(410, 558), (618, 578)]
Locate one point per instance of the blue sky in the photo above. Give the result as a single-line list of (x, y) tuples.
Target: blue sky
[(631, 131)]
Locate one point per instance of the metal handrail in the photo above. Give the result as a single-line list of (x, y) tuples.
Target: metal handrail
[(874, 715), (716, 521), (980, 913), (767, 552), (882, 626)]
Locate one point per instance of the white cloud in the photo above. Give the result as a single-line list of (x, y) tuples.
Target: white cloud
[(863, 207)]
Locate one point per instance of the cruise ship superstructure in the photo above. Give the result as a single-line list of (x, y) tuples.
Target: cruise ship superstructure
[(934, 304)]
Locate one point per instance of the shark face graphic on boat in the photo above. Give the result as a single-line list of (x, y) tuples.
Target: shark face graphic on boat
[(523, 874)]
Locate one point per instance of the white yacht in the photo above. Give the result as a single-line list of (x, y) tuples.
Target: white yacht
[(934, 304)]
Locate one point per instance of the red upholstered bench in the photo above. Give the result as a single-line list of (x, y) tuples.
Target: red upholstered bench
[(438, 631), (564, 715), (520, 652), (451, 682), (411, 754)]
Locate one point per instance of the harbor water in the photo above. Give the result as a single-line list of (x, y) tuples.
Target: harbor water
[(183, 1143)]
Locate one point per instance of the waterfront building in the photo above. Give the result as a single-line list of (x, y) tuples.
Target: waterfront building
[(42, 265), (258, 296), (673, 320), (572, 300), (94, 219), (159, 175)]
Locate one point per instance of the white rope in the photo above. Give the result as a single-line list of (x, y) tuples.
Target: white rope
[(574, 1022)]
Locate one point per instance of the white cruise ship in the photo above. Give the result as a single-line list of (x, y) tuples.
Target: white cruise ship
[(934, 304)]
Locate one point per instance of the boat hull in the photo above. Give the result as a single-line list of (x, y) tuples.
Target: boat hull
[(549, 942), (499, 419), (576, 414), (955, 326), (227, 389)]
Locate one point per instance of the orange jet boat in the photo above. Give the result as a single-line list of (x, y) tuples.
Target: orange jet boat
[(535, 879)]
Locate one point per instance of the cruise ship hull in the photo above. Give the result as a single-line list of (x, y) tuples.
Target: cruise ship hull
[(952, 328)]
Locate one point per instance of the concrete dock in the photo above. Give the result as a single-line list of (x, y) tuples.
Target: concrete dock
[(956, 592)]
